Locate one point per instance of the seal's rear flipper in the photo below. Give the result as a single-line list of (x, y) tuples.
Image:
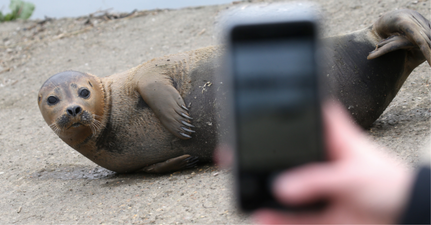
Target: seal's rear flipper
[(389, 45), (174, 164), (403, 29)]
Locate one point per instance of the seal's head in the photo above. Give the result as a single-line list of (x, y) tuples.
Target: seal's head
[(72, 104)]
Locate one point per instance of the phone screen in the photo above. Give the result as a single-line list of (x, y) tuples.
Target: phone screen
[(277, 110)]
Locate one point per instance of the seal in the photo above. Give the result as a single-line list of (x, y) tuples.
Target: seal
[(138, 119), (142, 118), (369, 66)]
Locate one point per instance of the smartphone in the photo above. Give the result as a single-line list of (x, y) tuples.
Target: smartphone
[(273, 76)]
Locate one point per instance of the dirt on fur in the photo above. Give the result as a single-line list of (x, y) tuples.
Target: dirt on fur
[(46, 181)]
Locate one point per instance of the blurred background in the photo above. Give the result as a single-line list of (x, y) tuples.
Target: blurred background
[(58, 9)]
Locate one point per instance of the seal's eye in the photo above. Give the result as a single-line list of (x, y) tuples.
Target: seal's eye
[(52, 100), (84, 93)]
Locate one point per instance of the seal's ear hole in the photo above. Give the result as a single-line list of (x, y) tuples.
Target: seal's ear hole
[(90, 83), (84, 93), (39, 98), (52, 100)]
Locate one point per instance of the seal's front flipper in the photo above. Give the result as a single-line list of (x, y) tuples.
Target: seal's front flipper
[(174, 164), (169, 107)]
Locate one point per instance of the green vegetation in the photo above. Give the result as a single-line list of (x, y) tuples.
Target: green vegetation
[(19, 10)]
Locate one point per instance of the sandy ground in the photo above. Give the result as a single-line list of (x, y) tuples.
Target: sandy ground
[(45, 181)]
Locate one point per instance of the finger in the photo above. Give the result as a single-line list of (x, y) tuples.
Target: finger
[(310, 184), (266, 216)]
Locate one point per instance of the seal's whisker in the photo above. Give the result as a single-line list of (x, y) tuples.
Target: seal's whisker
[(96, 122), (97, 126), (55, 128), (93, 129)]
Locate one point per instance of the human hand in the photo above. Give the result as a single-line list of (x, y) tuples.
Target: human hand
[(362, 184)]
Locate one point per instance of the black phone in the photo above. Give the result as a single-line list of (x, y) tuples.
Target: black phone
[(273, 75)]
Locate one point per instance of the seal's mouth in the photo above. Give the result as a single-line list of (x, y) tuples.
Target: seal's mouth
[(76, 125), (66, 122)]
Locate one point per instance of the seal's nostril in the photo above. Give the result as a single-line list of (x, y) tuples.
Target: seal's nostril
[(74, 110), (78, 110), (70, 112)]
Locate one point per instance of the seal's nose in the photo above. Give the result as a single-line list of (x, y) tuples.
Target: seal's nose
[(74, 110)]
